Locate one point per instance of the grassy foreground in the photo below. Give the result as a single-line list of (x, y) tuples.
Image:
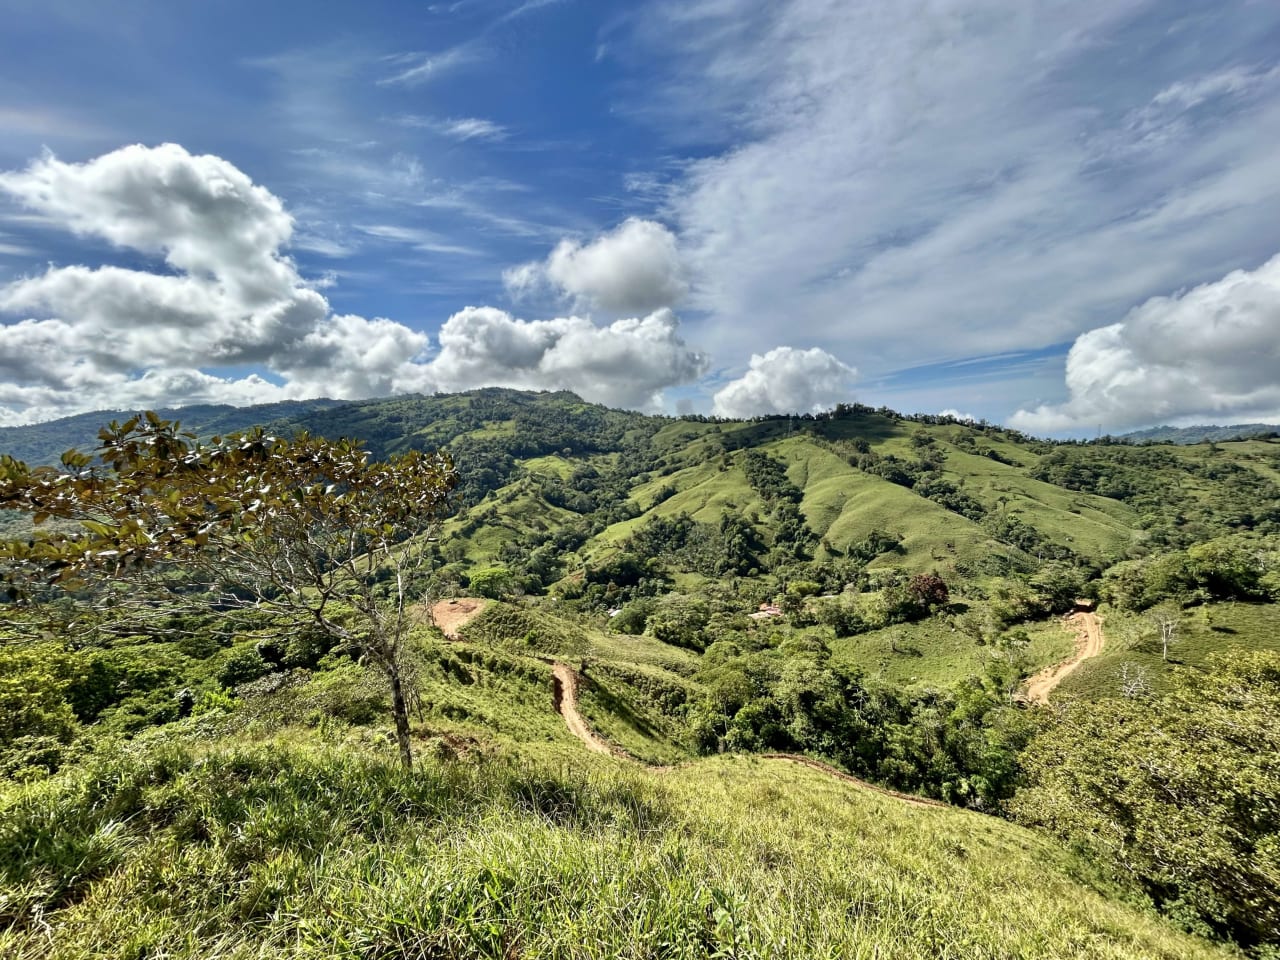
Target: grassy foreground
[(288, 849)]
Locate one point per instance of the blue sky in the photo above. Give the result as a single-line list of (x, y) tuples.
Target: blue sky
[(1056, 215)]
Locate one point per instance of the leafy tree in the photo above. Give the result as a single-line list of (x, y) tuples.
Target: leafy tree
[(492, 582), (1179, 794), (251, 520), (928, 590), (1225, 569)]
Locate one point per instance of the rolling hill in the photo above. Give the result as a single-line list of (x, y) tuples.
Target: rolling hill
[(861, 590)]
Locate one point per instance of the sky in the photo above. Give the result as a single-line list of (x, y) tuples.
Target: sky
[(1060, 216)]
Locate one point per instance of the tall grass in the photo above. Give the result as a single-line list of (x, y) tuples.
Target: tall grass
[(295, 851)]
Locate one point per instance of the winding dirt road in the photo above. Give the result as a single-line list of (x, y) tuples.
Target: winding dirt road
[(451, 615), (565, 694), (1089, 643)]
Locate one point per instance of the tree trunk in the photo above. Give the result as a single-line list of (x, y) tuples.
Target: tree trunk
[(401, 711)]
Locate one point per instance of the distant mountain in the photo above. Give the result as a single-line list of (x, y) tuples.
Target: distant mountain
[(1203, 433), (44, 443)]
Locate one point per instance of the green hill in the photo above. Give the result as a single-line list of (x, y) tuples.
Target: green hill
[(860, 587)]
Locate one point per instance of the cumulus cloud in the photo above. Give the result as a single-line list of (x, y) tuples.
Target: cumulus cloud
[(786, 380), (626, 364), (229, 298), (1212, 352), (634, 268)]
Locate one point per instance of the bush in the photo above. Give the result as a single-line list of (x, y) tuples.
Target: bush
[(243, 665)]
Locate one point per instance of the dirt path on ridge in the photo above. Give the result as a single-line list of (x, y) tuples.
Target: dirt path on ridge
[(1089, 643), (565, 693), (452, 615)]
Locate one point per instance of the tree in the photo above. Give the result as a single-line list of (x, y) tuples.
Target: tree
[(928, 590), (492, 582), (1176, 793), (1166, 617), (290, 527)]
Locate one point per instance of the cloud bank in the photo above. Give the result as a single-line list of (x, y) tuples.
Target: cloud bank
[(626, 364), (914, 183), (1210, 352), (222, 315)]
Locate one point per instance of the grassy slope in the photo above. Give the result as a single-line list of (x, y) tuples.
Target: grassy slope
[(931, 653), (283, 850)]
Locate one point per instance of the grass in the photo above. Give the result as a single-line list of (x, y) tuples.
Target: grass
[(1204, 630), (295, 850), (549, 466), (931, 653)]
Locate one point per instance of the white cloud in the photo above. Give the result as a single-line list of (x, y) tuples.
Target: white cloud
[(920, 182), (105, 337), (955, 414), (635, 268), (459, 128), (787, 380), (1212, 352), (99, 337), (627, 364), (418, 68), (473, 128)]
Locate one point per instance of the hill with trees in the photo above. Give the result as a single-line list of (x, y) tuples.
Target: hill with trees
[(196, 764)]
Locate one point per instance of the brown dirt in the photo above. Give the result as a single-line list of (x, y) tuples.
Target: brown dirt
[(452, 615), (1089, 643), (565, 695)]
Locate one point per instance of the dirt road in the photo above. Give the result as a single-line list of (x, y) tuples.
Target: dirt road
[(565, 694), (1089, 643)]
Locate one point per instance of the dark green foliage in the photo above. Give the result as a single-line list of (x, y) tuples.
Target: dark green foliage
[(768, 477), (1180, 795), (680, 621), (1185, 498), (36, 721), (634, 617), (1226, 568), (244, 664), (734, 547), (959, 745)]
